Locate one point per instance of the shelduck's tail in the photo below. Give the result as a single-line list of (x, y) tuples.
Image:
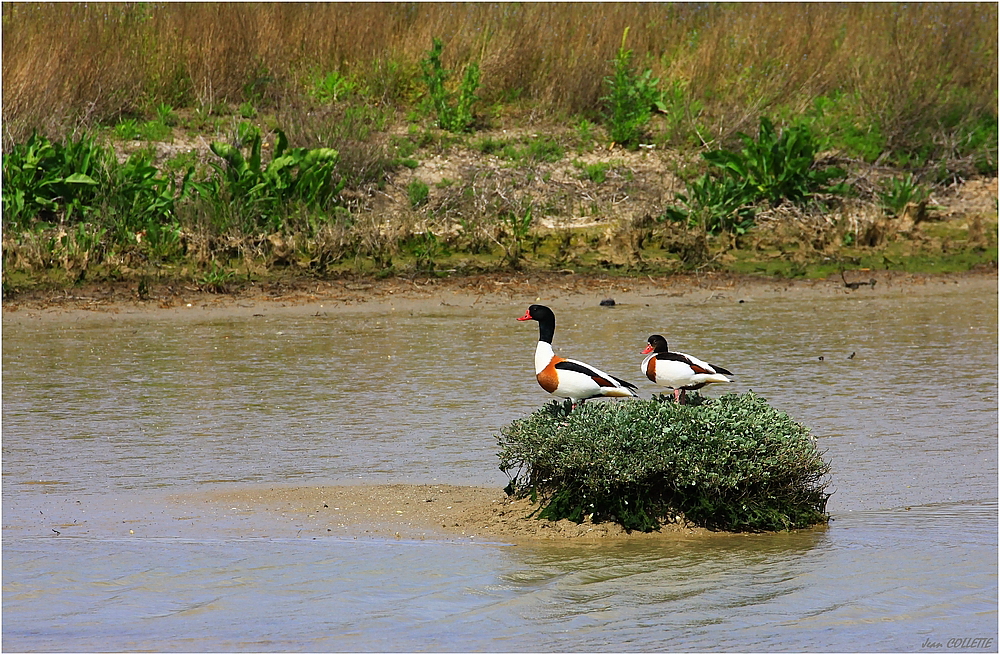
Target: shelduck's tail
[(627, 390)]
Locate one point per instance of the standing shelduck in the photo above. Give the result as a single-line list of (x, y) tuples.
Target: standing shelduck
[(678, 371), (568, 378)]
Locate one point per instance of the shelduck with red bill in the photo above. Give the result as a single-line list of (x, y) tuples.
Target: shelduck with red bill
[(678, 371), (569, 378)]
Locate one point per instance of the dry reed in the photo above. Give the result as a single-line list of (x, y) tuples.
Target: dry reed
[(906, 66)]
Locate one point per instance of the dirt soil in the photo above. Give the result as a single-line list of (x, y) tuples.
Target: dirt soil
[(403, 511), (413, 293)]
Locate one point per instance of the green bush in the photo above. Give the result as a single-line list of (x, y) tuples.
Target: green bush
[(733, 464), (596, 172), (264, 192), (630, 100), (770, 169), (418, 191), (715, 205), (776, 167), (80, 180), (51, 181), (453, 110), (898, 192), (331, 87)]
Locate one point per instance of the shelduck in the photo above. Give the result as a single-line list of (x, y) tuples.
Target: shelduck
[(568, 378), (678, 371)]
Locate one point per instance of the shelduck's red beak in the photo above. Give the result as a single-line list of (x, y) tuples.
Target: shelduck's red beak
[(526, 317), (649, 349)]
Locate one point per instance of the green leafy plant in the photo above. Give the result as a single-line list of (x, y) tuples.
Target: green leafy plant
[(426, 249), (127, 129), (676, 104), (544, 149), (714, 204), (840, 122), (165, 114), (630, 100), (775, 167), (47, 180), (417, 191), (132, 129), (216, 279), (534, 149), (298, 175), (453, 110), (585, 132), (489, 146), (247, 110), (772, 168), (596, 172), (733, 464), (331, 87), (898, 192), (138, 199), (516, 226)]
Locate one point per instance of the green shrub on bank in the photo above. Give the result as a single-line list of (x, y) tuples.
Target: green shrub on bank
[(630, 100), (264, 191), (772, 168), (733, 464), (453, 110), (81, 180)]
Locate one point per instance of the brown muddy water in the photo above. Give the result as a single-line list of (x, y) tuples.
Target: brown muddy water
[(105, 417)]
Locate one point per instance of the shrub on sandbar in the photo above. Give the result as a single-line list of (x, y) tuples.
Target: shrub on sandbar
[(732, 464)]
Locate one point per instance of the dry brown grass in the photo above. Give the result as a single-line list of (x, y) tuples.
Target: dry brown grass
[(66, 65)]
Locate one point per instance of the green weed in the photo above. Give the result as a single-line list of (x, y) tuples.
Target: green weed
[(898, 192), (51, 181), (585, 132), (596, 172), (714, 204), (770, 169), (165, 114), (453, 110), (516, 226), (417, 191), (216, 279), (331, 87), (298, 175), (775, 167), (427, 248), (631, 97)]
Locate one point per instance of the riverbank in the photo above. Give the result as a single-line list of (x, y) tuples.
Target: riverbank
[(416, 293)]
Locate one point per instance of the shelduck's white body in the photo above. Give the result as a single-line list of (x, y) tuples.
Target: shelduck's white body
[(569, 378), (678, 371)]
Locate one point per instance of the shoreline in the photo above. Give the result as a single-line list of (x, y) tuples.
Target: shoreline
[(411, 294)]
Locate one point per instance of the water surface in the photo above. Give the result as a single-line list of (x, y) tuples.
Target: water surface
[(114, 412)]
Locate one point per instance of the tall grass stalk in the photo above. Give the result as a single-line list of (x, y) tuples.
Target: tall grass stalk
[(908, 68)]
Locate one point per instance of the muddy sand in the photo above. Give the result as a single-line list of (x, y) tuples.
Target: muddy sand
[(178, 302), (406, 511)]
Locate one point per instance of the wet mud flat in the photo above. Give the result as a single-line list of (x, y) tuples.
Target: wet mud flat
[(415, 294), (400, 511)]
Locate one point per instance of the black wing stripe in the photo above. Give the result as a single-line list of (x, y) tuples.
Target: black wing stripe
[(625, 383), (677, 357), (580, 368)]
